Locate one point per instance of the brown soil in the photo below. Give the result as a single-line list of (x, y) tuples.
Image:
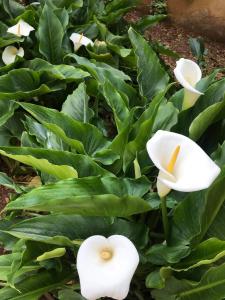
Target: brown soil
[(176, 38)]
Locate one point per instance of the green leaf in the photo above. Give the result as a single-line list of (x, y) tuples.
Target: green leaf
[(117, 103), (91, 196), (76, 105), (211, 287), (193, 216), (219, 155), (81, 136), (7, 109), (205, 119), (84, 165), (22, 83), (33, 286), (5, 180), (69, 294), (42, 164), (58, 252), (148, 21), (50, 34), (63, 229), (151, 76)]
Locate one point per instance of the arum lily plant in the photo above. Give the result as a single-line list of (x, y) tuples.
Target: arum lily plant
[(188, 74), (79, 40), (183, 165), (22, 28), (106, 266), (10, 53)]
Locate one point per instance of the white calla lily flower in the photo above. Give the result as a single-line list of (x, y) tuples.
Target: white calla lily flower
[(22, 28), (79, 40), (106, 266), (9, 54), (188, 74), (183, 165)]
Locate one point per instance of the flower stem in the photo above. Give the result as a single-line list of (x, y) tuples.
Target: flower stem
[(165, 218)]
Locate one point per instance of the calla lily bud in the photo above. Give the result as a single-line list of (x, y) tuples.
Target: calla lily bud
[(106, 266), (188, 74), (9, 54), (22, 28), (183, 165), (79, 40)]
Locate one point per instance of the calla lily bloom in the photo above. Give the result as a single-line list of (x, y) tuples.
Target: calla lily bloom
[(9, 54), (183, 165), (106, 266), (79, 40), (188, 74), (22, 28)]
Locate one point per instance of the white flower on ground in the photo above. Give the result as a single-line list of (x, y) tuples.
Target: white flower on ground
[(188, 74), (9, 54), (183, 165), (79, 40), (22, 28), (106, 266)]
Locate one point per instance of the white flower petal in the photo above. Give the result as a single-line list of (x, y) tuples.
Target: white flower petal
[(162, 189), (106, 278), (79, 40), (9, 54), (188, 74), (22, 28), (194, 170)]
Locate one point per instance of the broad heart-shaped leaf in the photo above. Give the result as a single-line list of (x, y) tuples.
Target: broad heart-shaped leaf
[(118, 105), (148, 21), (50, 35), (42, 164), (76, 105), (205, 119), (63, 163), (50, 72), (194, 215), (63, 229), (23, 83), (101, 71), (211, 287), (90, 196), (151, 76), (81, 136), (34, 285)]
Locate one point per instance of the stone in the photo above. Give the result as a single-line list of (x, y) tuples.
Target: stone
[(206, 17)]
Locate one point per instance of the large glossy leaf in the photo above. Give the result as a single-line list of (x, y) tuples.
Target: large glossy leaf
[(60, 160), (50, 34), (91, 196), (211, 287), (63, 229), (42, 164), (6, 110), (81, 136), (33, 286), (194, 215), (151, 76), (205, 119), (22, 83), (118, 105), (76, 105)]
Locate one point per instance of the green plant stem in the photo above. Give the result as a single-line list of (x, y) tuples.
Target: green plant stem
[(165, 218)]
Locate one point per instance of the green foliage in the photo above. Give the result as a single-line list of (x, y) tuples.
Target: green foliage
[(80, 120)]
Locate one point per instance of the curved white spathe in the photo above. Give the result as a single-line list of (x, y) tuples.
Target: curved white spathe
[(22, 28), (106, 266), (193, 168), (9, 54), (188, 74), (79, 40)]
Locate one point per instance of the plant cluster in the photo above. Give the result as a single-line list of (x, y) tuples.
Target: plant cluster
[(81, 95)]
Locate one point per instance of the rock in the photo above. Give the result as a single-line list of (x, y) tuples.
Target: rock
[(206, 17)]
